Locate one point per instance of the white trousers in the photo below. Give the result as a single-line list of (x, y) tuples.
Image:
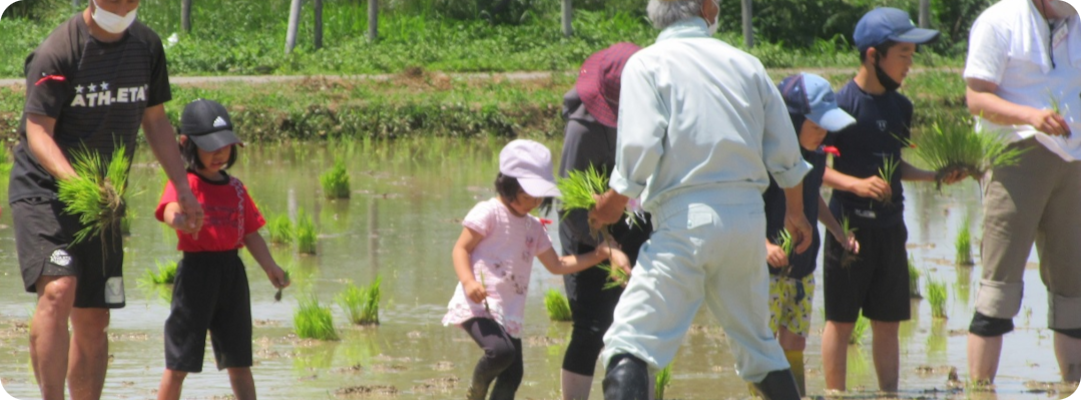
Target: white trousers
[(708, 245)]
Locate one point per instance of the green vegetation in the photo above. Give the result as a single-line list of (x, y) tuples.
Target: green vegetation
[(281, 230), (313, 321), (957, 147), (558, 307), (787, 244), (963, 245), (913, 279), (664, 378), (859, 330), (96, 193), (617, 277), (306, 237), (936, 295), (361, 304), (335, 181), (578, 188), (288, 278), (165, 275)]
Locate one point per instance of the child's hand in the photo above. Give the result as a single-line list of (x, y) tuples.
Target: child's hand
[(849, 242), (277, 276), (873, 188), (775, 256), (619, 259), (475, 291)]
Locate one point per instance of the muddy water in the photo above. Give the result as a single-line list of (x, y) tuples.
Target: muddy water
[(400, 224)]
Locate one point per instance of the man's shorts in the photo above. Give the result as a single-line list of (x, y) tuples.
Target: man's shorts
[(211, 293), (876, 282), (790, 303), (43, 239)]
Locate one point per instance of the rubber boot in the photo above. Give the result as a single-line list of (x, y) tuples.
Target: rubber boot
[(476, 391), (778, 385), (627, 378), (795, 360)]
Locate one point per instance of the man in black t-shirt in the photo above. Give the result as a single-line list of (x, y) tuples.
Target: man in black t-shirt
[(91, 84)]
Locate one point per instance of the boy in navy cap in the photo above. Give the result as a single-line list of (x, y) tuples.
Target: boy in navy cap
[(877, 281)]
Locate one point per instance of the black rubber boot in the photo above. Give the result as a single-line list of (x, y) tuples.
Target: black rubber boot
[(626, 379), (778, 385)]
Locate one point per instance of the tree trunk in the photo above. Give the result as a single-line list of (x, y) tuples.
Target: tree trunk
[(318, 4), (925, 14), (185, 15), (294, 21), (748, 31), (567, 16), (373, 20)]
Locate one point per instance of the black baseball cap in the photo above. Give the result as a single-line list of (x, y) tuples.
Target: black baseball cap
[(207, 123)]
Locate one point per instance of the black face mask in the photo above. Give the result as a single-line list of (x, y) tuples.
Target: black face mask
[(887, 82)]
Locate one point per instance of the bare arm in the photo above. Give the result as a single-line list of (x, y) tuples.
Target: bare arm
[(162, 139), (463, 267), (573, 263), (258, 249), (982, 101), (40, 142), (826, 218)]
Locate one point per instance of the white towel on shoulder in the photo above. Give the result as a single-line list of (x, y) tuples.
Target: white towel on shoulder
[(1031, 40)]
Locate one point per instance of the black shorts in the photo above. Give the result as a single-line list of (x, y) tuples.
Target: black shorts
[(43, 240), (211, 293), (877, 281)]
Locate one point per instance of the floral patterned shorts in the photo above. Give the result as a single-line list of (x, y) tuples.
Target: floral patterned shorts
[(790, 303)]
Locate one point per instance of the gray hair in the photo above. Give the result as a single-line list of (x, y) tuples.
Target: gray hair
[(663, 13)]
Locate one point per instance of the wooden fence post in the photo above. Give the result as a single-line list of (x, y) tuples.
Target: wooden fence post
[(294, 21), (373, 20), (185, 15), (318, 5), (567, 16), (748, 31), (925, 14)]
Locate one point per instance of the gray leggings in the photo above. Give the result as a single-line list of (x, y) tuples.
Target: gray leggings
[(502, 360)]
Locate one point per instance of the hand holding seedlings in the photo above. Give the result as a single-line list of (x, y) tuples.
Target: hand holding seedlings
[(1049, 122), (775, 255), (279, 278), (475, 291), (872, 187)]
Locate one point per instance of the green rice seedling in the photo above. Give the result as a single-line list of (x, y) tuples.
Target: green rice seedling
[(913, 279), (336, 181), (859, 330), (848, 257), (960, 148), (281, 230), (314, 321), (278, 294), (305, 233), (361, 304), (886, 172), (96, 193), (578, 188), (558, 307), (664, 378), (484, 284), (963, 245), (787, 244), (936, 295), (165, 275), (617, 277)]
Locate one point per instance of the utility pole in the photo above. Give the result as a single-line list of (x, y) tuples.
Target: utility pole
[(294, 20), (925, 14), (373, 20), (318, 4), (748, 31), (567, 16), (185, 15)]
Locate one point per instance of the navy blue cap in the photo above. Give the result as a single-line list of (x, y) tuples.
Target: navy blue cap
[(812, 96), (885, 23)]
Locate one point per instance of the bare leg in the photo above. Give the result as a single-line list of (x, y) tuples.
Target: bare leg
[(88, 357), (835, 353), (575, 386), (49, 340), (171, 383), (1068, 352), (886, 349), (243, 384), (983, 355)]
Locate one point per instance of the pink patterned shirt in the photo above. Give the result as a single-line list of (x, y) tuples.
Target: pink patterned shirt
[(505, 256)]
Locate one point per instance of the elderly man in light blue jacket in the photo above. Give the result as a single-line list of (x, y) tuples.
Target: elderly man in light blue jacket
[(701, 129)]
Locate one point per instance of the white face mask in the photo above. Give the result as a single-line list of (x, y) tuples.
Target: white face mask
[(110, 22)]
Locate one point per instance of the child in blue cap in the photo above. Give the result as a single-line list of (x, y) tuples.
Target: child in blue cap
[(876, 282), (814, 113)]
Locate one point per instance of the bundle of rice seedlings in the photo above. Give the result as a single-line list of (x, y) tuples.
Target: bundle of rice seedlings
[(848, 257), (361, 304), (617, 277), (558, 307), (913, 279), (963, 245), (578, 188), (787, 244), (960, 148), (305, 233), (859, 330), (278, 294), (886, 172), (96, 194), (166, 274), (281, 230), (936, 295), (313, 321), (335, 181), (664, 378)]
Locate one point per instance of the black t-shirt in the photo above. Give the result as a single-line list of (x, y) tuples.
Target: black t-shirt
[(802, 264), (865, 146), (96, 91)]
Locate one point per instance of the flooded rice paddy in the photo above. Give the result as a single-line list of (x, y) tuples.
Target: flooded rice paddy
[(400, 223)]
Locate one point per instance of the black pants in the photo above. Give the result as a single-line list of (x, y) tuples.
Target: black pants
[(501, 362), (591, 305)]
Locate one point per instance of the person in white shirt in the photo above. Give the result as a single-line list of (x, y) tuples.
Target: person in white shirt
[(702, 128), (1023, 76)]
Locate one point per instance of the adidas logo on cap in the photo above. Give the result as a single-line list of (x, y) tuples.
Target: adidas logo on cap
[(220, 123)]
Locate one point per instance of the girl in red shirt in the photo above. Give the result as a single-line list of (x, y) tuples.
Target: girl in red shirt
[(211, 289)]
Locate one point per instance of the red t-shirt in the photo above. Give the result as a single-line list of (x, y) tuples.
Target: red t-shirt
[(230, 214)]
